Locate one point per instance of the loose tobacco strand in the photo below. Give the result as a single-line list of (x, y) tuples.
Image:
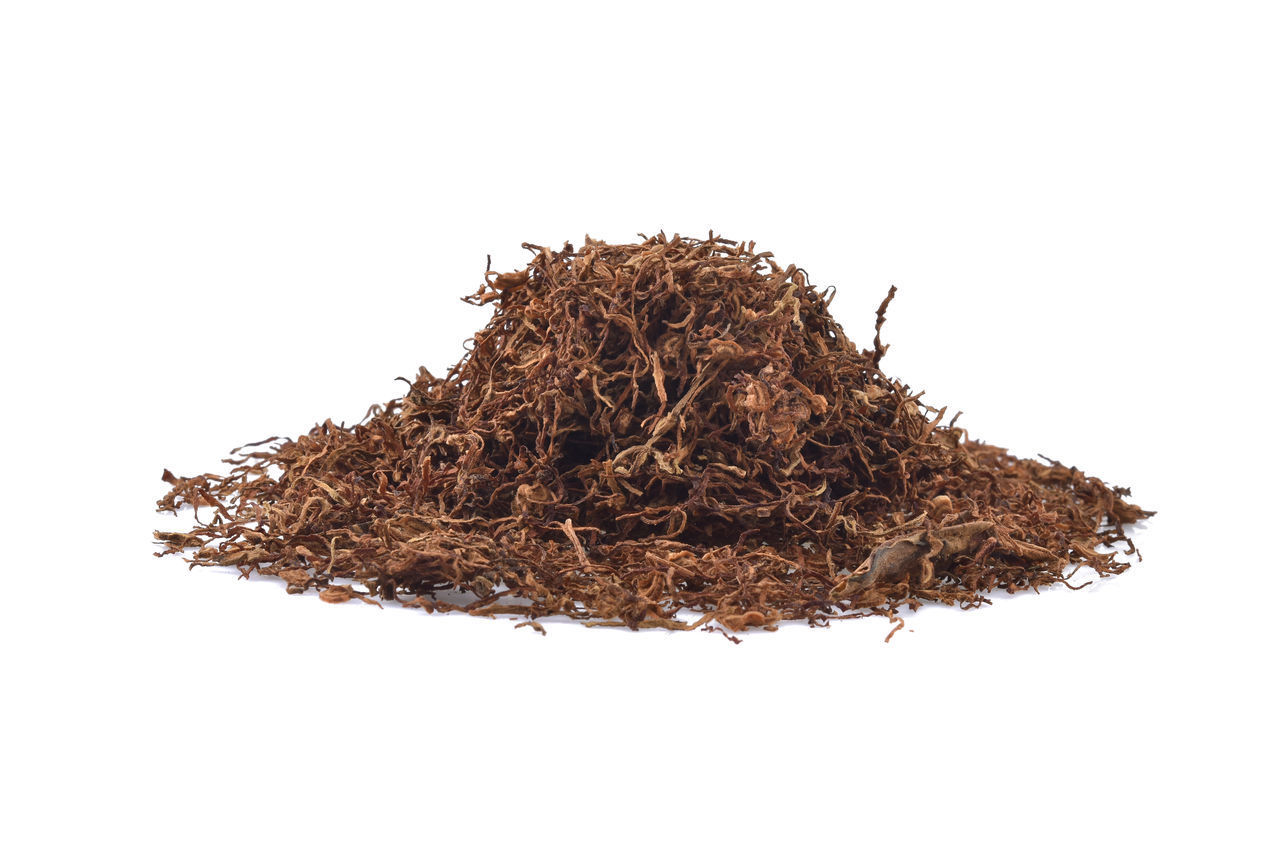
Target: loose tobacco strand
[(646, 429)]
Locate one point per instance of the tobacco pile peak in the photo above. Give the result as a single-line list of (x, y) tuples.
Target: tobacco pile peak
[(672, 433)]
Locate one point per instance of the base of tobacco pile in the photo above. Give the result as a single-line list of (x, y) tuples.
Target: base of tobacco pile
[(672, 425)]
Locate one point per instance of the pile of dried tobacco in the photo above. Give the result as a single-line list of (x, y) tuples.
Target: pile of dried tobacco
[(640, 430)]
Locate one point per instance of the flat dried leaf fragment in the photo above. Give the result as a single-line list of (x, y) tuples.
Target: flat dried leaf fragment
[(913, 557), (340, 593)]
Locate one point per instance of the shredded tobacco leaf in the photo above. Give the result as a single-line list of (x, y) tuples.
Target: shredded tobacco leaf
[(641, 430)]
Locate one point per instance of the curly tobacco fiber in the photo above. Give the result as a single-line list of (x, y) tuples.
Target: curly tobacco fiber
[(645, 429)]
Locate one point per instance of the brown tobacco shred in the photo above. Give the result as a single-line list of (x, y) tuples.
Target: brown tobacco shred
[(671, 425)]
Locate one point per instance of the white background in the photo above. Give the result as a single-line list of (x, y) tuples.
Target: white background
[(228, 220)]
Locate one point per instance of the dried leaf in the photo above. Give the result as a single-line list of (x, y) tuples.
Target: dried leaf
[(643, 429)]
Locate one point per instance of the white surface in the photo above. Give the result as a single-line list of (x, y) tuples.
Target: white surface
[(228, 221)]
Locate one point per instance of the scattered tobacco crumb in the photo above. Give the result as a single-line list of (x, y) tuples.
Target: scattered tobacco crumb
[(644, 429)]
